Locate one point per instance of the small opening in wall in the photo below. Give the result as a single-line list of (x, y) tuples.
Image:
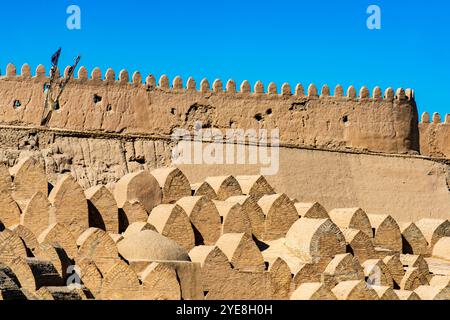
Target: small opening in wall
[(345, 119), (269, 111), (55, 105), (172, 111), (258, 116), (96, 98), (109, 107), (17, 104), (46, 87)]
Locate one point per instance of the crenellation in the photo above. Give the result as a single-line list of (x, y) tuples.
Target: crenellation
[(245, 87), (272, 89), (338, 91), (124, 77), (11, 70), (150, 81), (312, 91), (409, 94), (400, 94), (364, 93), (258, 87), (299, 90), (67, 71), (389, 94), (377, 94), (191, 85), (40, 71), (110, 75), (137, 78), (177, 83), (96, 74), (25, 72), (325, 91), (286, 89), (217, 86), (351, 92), (425, 117), (164, 82), (82, 74), (204, 86), (231, 86), (436, 118), (434, 135)]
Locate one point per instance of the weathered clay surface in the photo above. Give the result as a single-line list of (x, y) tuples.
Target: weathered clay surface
[(96, 194), (326, 256), (386, 124), (435, 135), (406, 187)]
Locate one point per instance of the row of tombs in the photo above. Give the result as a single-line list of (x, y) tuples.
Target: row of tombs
[(153, 235)]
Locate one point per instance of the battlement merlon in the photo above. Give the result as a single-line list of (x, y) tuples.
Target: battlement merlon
[(381, 123)]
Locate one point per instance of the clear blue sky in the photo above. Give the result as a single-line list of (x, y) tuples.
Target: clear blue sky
[(319, 42)]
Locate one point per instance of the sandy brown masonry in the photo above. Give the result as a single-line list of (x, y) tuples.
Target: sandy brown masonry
[(310, 117), (253, 243), (430, 136)]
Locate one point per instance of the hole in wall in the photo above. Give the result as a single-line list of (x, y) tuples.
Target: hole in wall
[(55, 105), (269, 111), (17, 104), (258, 117), (172, 111), (96, 98), (109, 107), (345, 119), (140, 160)]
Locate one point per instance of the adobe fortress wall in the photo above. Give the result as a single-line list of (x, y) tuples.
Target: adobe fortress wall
[(435, 135), (340, 149), (362, 121)]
